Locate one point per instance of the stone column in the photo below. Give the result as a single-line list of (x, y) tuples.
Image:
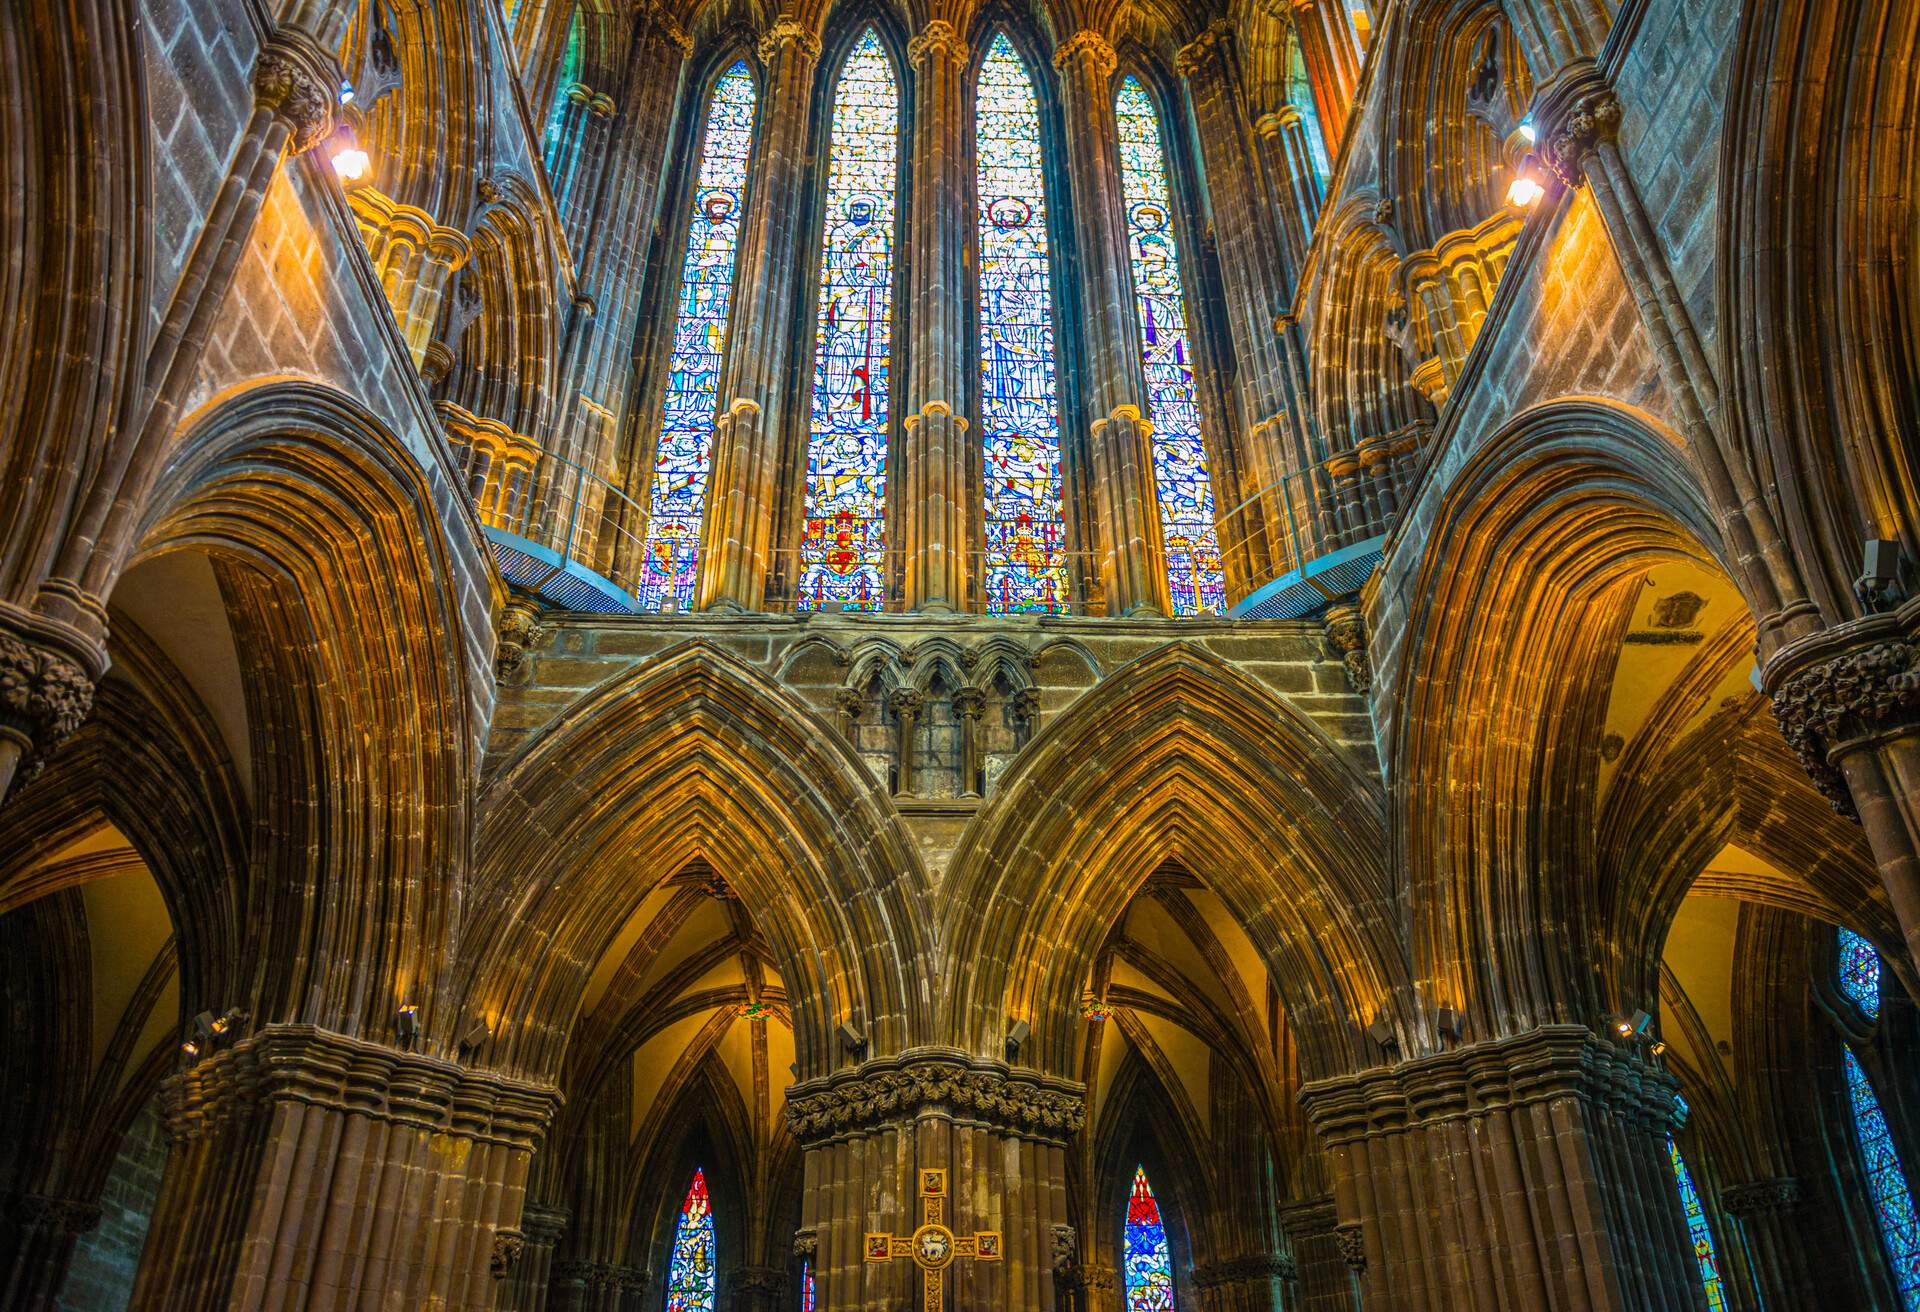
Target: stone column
[(999, 1134), (969, 704), (1259, 288), (1327, 48), (312, 1170), (757, 1288), (1784, 1272), (575, 204), (736, 551), (1288, 160), (1523, 1172), (905, 704), (1129, 543), (527, 1282), (1322, 1280), (938, 459), (37, 1237)]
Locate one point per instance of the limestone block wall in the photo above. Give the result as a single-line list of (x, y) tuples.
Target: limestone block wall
[(105, 1260)]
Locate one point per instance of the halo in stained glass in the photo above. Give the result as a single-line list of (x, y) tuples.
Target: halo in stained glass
[(670, 563), (690, 1274), (1019, 413), (1149, 1267), (843, 552), (1698, 1231), (1194, 579), (1859, 969), (1886, 1184)]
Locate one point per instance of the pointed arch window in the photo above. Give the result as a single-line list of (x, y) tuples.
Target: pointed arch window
[(843, 553), (678, 494), (1149, 1266), (1859, 970), (1194, 578), (690, 1273), (1019, 413), (1698, 1230)]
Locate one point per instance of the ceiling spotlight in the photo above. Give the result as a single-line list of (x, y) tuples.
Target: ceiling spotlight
[(852, 1040)]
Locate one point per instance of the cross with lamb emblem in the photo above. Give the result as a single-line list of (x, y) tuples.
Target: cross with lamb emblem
[(933, 1247)]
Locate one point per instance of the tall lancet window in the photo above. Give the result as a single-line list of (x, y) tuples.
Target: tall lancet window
[(1698, 1230), (1149, 1266), (563, 84), (1886, 1178), (843, 555), (690, 1274), (679, 491), (1020, 419), (1194, 579)]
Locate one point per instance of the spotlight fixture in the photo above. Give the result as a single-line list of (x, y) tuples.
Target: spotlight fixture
[(1450, 1023), (1527, 188), (350, 163), (477, 1034), (1382, 1033), (407, 1024), (346, 92), (1528, 133), (190, 1050), (1629, 1028), (852, 1040), (1658, 1049), (1882, 584), (1017, 1033)]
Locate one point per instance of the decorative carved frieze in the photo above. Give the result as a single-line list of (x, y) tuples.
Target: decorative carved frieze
[(888, 1091), (1758, 1196)]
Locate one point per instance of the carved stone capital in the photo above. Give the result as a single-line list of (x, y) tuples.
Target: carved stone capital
[(299, 85), (1089, 45), (806, 1244), (44, 697), (1577, 128), (519, 630), (787, 34), (507, 1247), (891, 1090), (968, 703), (1258, 1268), (1205, 55), (1759, 1196), (938, 38), (1026, 707), (906, 702), (1066, 1250), (1351, 1241), (1347, 631), (543, 1225), (654, 17), (1845, 702)]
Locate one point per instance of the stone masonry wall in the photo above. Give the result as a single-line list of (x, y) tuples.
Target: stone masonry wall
[(101, 1276)]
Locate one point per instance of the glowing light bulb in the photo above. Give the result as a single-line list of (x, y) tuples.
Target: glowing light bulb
[(351, 164), (1526, 189)]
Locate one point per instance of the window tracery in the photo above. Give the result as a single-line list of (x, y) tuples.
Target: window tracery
[(678, 496), (1859, 972)]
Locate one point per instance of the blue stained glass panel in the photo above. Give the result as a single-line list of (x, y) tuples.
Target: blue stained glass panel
[(843, 554), (671, 561), (1859, 967), (806, 1287), (1020, 420), (1698, 1231), (1194, 578), (557, 112), (1886, 1184), (1149, 1266), (690, 1274)]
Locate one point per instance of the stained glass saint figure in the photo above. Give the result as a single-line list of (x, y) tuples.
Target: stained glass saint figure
[(1194, 579), (1020, 420), (690, 1274), (670, 564), (843, 553), (1149, 1266)]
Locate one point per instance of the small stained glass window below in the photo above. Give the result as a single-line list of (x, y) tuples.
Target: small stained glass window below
[(1886, 1184), (1698, 1231), (806, 1287), (690, 1276), (1149, 1267), (1859, 972)]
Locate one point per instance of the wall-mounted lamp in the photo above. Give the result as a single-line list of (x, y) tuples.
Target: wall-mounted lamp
[(406, 1024), (1628, 1028), (1527, 188), (1017, 1033), (477, 1034), (350, 163), (852, 1040), (1382, 1033), (1451, 1024)]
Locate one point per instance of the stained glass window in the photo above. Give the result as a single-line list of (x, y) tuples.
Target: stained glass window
[(1179, 458), (1148, 1265), (690, 1276), (1859, 972), (1698, 1230), (557, 112), (1886, 1184), (679, 493), (843, 555), (1020, 418), (806, 1287)]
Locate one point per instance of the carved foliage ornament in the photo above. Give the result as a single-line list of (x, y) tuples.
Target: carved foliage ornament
[(43, 697), (787, 33), (1826, 709), (874, 1099), (1352, 1244), (507, 1247), (287, 85), (1091, 44), (1762, 1196), (939, 38), (1571, 142)]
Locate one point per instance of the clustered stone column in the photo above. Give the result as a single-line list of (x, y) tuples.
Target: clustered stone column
[(415, 259), (1323, 1282), (736, 553), (1288, 158), (313, 1170), (1130, 544), (937, 463), (1764, 1210), (37, 1237), (532, 1273), (1523, 1172), (1000, 1134), (1332, 58), (1259, 287)]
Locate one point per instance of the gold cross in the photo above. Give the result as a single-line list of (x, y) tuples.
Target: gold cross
[(933, 1247)]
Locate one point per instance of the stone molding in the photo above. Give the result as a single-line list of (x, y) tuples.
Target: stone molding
[(1090, 43), (1244, 1270), (1844, 702), (1347, 631), (788, 33), (887, 1091), (939, 37), (44, 698), (542, 1224), (1308, 1220), (1575, 116), (300, 85), (53, 1215), (306, 1064), (757, 1280), (1757, 1196), (1206, 53), (1544, 1065)]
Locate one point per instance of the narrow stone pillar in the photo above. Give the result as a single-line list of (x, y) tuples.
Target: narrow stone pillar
[(1288, 160), (1129, 543), (1523, 1172), (1332, 58), (1784, 1271), (312, 1170), (1322, 1280), (756, 1288), (998, 1135), (38, 1233), (968, 705), (587, 167), (1259, 288), (736, 551), (938, 459), (528, 1281), (905, 704)]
